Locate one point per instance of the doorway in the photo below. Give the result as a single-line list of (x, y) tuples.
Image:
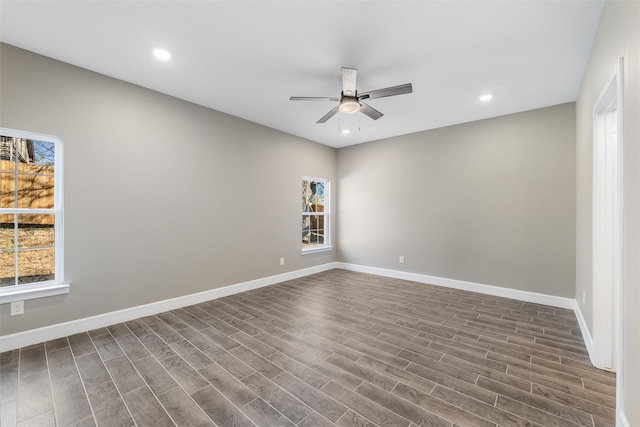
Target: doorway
[(607, 221)]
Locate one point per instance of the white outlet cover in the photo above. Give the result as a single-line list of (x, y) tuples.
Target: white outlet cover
[(17, 308)]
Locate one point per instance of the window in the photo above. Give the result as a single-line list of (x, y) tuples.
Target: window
[(315, 215), (30, 216)]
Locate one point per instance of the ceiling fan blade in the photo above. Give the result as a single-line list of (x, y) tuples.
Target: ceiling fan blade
[(389, 91), (370, 111), (349, 81), (329, 114), (313, 98)]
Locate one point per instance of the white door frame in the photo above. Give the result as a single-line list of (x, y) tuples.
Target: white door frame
[(607, 223)]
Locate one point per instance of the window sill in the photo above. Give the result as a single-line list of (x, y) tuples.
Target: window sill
[(26, 292), (316, 250)]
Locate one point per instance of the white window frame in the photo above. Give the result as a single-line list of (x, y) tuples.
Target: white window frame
[(57, 286), (327, 218)]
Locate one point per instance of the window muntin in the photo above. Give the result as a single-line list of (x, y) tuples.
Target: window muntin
[(30, 211), (315, 213)]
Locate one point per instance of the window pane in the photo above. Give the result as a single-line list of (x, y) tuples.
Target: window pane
[(7, 268), (7, 250), (36, 231), (7, 189), (44, 156), (35, 191), (307, 194), (317, 199), (306, 229), (36, 265), (12, 149), (316, 237), (319, 196), (7, 232)]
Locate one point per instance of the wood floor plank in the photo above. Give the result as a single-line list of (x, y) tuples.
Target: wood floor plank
[(183, 410), (308, 375), (480, 409), (265, 415), (529, 412), (323, 404), (443, 368), (363, 406), (146, 409), (383, 356), (284, 402), (537, 401), (401, 406), (184, 374), (315, 420), (441, 408), (219, 409), (154, 374), (370, 375), (255, 361), (232, 364), (238, 393), (253, 344), (191, 354), (197, 339), (562, 386), (351, 419), (132, 347)]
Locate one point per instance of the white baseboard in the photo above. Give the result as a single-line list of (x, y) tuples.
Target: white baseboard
[(498, 291), (35, 336), (586, 335)]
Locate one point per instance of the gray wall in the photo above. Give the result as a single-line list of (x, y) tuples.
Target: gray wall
[(491, 202), (618, 35), (163, 198)]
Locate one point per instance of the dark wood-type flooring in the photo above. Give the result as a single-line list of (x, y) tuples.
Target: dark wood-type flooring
[(336, 348)]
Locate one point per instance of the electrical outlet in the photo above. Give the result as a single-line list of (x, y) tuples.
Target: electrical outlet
[(281, 261), (401, 259), (17, 308)]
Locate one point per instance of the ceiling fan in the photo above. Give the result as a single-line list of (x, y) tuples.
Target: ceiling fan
[(351, 101)]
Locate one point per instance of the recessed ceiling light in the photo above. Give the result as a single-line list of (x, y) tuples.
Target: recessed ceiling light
[(346, 131), (162, 54), (486, 97)]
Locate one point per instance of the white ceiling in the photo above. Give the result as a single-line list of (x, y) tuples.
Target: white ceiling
[(247, 58)]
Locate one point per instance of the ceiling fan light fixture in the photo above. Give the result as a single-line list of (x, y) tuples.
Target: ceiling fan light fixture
[(349, 104)]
